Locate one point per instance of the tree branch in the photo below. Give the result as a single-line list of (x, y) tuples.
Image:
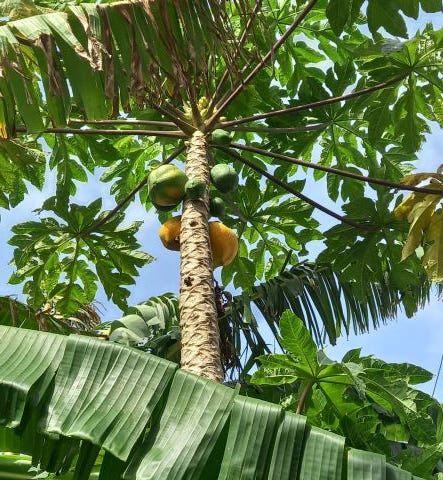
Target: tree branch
[(101, 131), (299, 195), (336, 171), (320, 103), (111, 214), (241, 86)]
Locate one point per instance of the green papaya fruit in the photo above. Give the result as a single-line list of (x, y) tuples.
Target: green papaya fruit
[(217, 207), (166, 185), (221, 137), (224, 178), (164, 208), (195, 188)]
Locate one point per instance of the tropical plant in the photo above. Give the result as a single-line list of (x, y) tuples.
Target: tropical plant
[(120, 88), (47, 319), (248, 68), (367, 400), (155, 422)]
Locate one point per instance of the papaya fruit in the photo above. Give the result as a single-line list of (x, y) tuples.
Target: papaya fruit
[(166, 185), (217, 207), (224, 244), (224, 241), (195, 188), (221, 137), (170, 233), (224, 178)]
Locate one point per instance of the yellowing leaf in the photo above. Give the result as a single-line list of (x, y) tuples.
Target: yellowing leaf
[(405, 207), (3, 131), (433, 258), (419, 217), (416, 178)]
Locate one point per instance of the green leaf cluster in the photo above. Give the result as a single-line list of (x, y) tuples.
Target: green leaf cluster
[(151, 326), (62, 259), (369, 401)]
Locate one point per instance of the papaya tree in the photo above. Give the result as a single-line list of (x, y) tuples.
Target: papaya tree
[(275, 89), (261, 85)]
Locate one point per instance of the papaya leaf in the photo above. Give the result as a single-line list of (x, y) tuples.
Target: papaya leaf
[(296, 339), (420, 219), (67, 259), (433, 257)]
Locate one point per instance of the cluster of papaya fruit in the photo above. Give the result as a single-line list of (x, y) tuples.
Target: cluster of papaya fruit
[(168, 185)]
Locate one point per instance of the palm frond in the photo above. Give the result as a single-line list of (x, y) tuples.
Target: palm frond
[(326, 302), (97, 60), (17, 314), (249, 322)]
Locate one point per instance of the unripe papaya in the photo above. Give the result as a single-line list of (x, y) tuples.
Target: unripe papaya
[(224, 177), (195, 188), (221, 137), (217, 207), (166, 185), (162, 208)]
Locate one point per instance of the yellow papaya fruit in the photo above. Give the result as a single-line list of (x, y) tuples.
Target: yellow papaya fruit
[(224, 241), (170, 233), (224, 244)]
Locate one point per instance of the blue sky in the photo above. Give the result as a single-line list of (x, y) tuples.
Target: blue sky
[(418, 340)]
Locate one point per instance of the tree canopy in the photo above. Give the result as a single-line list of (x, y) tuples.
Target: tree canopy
[(342, 90)]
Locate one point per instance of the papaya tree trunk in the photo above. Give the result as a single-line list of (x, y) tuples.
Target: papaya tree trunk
[(200, 352)]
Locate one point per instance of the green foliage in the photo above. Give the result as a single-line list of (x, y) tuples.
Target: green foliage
[(72, 384), (352, 98), (369, 401), (51, 256), (151, 326), (87, 64)]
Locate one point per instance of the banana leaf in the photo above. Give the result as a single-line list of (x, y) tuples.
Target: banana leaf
[(89, 409)]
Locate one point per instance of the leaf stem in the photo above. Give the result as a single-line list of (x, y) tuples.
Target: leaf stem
[(306, 128), (154, 123), (304, 396), (252, 18), (299, 195), (244, 83), (176, 116), (336, 171), (102, 131), (319, 103)]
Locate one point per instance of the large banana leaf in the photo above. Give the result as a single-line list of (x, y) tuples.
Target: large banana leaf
[(86, 408)]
